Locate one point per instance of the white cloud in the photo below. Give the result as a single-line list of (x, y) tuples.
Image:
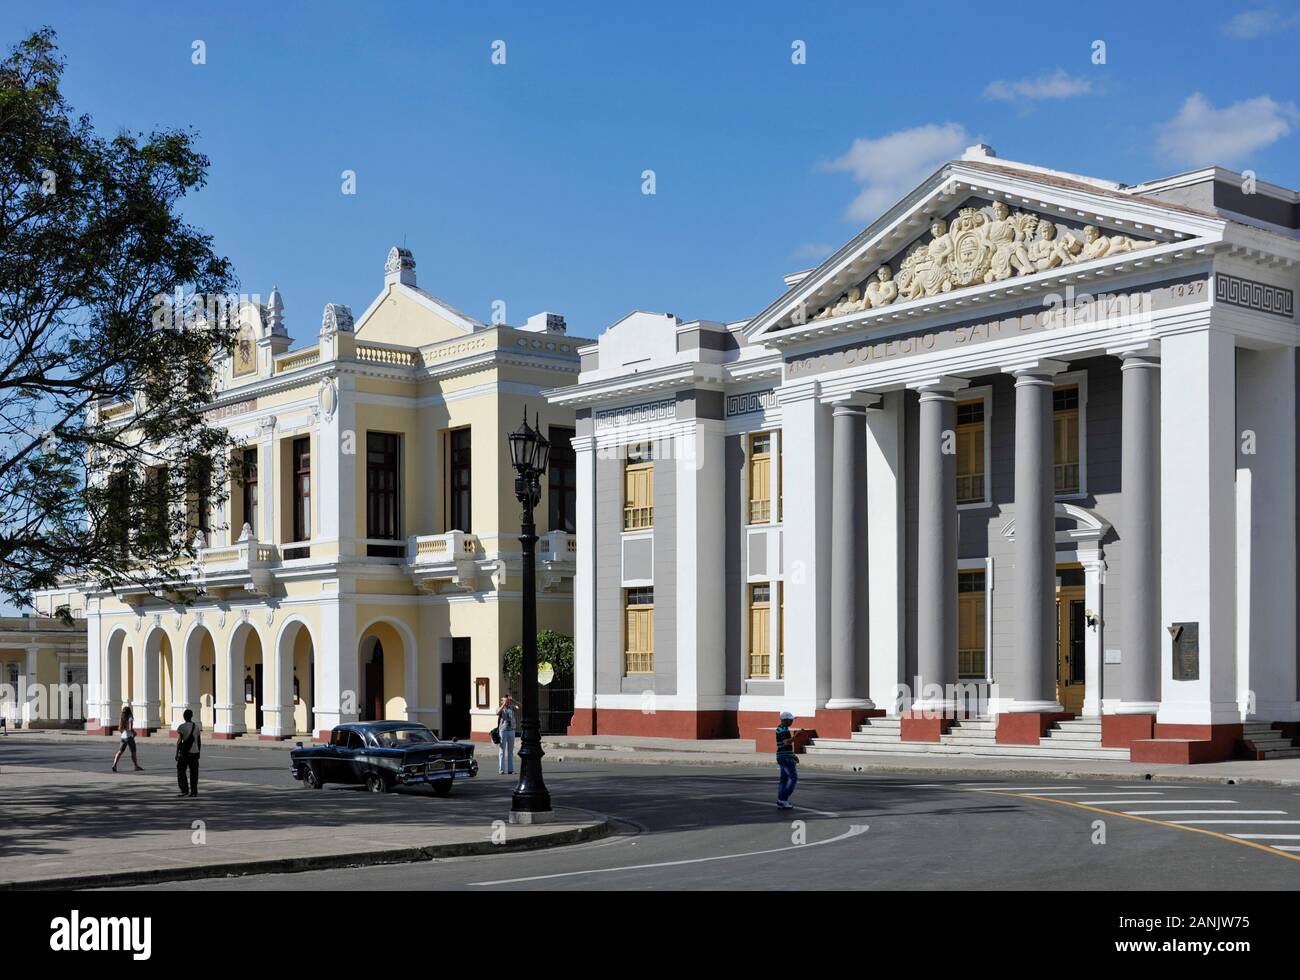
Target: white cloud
[(890, 166), (1056, 85), (1250, 24), (1201, 134), (813, 250)]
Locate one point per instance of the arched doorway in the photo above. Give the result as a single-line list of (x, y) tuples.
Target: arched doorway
[(199, 678), (295, 683), (241, 684), (382, 673), (118, 687), (159, 677)]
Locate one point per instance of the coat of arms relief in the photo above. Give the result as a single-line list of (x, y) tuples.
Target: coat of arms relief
[(983, 245)]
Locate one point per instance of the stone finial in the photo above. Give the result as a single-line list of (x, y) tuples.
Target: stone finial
[(275, 314), (400, 266), (336, 319), (245, 533)]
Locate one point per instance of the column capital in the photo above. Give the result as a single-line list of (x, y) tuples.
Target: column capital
[(943, 386), (1144, 356), (854, 403), (1036, 368)]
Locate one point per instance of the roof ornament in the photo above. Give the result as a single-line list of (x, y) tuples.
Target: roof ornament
[(275, 314), (400, 266), (336, 319)]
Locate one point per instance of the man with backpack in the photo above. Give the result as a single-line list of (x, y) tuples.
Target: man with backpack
[(187, 755)]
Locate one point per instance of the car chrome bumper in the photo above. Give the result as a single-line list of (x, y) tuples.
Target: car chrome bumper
[(438, 771)]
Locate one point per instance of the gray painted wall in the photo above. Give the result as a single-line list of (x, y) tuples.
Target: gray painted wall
[(734, 561)]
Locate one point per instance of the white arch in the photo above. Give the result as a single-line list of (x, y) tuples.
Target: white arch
[(410, 675), (278, 713), (230, 681), (1089, 525), (149, 674), (188, 688), (111, 671)]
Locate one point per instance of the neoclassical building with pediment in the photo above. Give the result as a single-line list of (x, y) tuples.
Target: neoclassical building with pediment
[(1012, 471), (370, 565)]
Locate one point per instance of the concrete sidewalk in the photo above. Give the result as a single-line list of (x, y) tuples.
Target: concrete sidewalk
[(643, 749), (652, 751), (70, 829)]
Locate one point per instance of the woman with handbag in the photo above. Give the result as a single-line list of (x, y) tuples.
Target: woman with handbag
[(505, 736), (127, 724)]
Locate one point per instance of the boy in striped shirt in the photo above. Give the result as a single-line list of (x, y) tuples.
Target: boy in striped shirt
[(787, 761)]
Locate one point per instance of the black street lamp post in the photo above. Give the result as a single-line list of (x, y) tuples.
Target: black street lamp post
[(529, 451)]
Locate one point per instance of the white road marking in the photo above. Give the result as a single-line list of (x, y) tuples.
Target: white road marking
[(1285, 847), (854, 830), (1235, 821), (1019, 789), (820, 813), (1155, 813), (1267, 836), (1094, 792), (1101, 802)]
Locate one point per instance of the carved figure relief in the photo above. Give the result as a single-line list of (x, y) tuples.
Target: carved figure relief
[(983, 245)]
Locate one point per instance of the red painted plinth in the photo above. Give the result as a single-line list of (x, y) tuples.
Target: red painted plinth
[(95, 728), (480, 737), (1120, 731), (765, 740), (1027, 727), (224, 736), (583, 722), (922, 727), (659, 724), (273, 738), (1187, 744)]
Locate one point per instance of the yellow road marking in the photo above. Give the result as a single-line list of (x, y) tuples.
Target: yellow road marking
[(1160, 823)]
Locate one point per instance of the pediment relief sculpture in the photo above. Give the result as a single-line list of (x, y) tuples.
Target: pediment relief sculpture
[(982, 246)]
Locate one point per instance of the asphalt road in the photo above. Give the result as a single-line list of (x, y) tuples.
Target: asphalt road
[(700, 827)]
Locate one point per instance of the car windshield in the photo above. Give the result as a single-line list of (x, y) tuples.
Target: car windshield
[(398, 738)]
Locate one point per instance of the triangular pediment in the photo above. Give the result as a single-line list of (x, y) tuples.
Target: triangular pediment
[(975, 231)]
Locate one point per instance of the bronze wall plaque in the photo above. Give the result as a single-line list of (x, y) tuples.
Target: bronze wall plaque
[(1187, 651)]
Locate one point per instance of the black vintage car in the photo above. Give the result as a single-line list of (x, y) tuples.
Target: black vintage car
[(383, 754)]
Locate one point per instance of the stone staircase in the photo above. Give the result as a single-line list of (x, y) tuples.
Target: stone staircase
[(1077, 739), (1263, 741)]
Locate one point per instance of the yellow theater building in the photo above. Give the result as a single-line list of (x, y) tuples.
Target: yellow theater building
[(369, 565)]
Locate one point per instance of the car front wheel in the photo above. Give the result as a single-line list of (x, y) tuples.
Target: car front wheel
[(442, 788), (375, 783), (311, 780)]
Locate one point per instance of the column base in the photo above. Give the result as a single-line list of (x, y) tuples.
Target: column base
[(583, 722), (1026, 727), (925, 725), (99, 728), (1187, 744), (660, 724), (1119, 731), (226, 736)]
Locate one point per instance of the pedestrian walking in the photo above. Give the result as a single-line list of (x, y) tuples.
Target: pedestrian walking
[(127, 724), (506, 727), (786, 761), (187, 755)]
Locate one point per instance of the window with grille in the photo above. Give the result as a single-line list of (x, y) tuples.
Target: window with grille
[(200, 494), (301, 518), (562, 481), (249, 491), (1065, 438), (639, 631), (970, 452), (458, 480), (760, 478), (639, 487), (760, 630), (970, 624), (383, 493)]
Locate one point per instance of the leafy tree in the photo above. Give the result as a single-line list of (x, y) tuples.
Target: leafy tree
[(553, 648), (104, 376)]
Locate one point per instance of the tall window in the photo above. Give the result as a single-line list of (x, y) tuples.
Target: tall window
[(301, 495), (458, 480), (200, 494), (117, 516), (970, 624), (639, 487), (562, 485), (155, 525), (383, 500), (760, 630), (249, 491), (1065, 438), (970, 452), (780, 630), (639, 631), (760, 478)]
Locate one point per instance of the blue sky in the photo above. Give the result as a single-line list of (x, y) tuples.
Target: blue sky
[(522, 182)]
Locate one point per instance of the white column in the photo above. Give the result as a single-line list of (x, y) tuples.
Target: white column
[(338, 697), (266, 502), (584, 577), (885, 551), (1198, 522), (807, 530), (1094, 580), (229, 665), (277, 707), (96, 690), (1266, 534), (701, 545), (850, 595), (27, 691)]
